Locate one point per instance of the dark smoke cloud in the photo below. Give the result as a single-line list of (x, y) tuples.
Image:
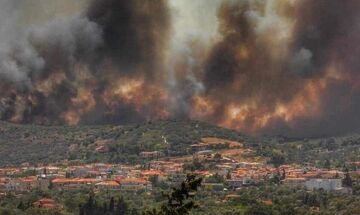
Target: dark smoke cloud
[(273, 67), (133, 31), (326, 33), (45, 69)]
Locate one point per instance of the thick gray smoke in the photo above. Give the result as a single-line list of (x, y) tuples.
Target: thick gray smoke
[(267, 66), (69, 67), (28, 50)]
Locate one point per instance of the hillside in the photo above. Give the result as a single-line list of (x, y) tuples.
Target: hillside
[(109, 143), (324, 152), (103, 143)]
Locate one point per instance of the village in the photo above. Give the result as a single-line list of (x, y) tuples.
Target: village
[(225, 167)]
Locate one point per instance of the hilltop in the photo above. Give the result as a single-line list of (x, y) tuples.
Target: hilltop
[(102, 143), (123, 144)]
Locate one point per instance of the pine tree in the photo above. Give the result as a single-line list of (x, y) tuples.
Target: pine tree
[(21, 206), (82, 210), (112, 204), (228, 175), (347, 181), (88, 207), (180, 199), (105, 208), (122, 207)]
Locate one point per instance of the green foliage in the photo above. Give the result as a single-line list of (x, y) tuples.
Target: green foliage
[(179, 201), (48, 144), (259, 209), (321, 152), (217, 156), (195, 164), (92, 207), (215, 179)]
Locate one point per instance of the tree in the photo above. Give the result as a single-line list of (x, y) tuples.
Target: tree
[(133, 211), (277, 158), (180, 200), (122, 207), (228, 175), (259, 209), (217, 156), (347, 181), (88, 207), (112, 204), (194, 165), (21, 206), (105, 208), (327, 164)]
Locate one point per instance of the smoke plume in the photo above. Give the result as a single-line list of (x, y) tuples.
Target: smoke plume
[(263, 67)]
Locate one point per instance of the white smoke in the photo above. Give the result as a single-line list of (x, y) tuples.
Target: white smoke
[(23, 38), (195, 28)]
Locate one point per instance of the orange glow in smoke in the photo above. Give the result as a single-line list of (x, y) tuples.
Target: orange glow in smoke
[(147, 98), (82, 103)]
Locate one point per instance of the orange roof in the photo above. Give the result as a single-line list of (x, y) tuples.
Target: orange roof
[(108, 183), (86, 180), (149, 153), (152, 172), (29, 179), (61, 180), (74, 180), (49, 205), (267, 202), (204, 173), (134, 180), (46, 201), (294, 179)]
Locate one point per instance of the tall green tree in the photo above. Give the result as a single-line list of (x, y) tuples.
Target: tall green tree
[(112, 204), (122, 207), (180, 200)]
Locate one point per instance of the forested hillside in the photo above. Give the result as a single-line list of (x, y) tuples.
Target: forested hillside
[(44, 144)]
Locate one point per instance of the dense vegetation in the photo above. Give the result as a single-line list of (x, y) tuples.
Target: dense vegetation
[(266, 199), (40, 144), (44, 144), (327, 152)]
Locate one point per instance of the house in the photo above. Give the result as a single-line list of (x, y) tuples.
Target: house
[(9, 171), (198, 147), (3, 182), (74, 183), (325, 184), (167, 166), (205, 152), (294, 181), (176, 178), (220, 143), (102, 149), (153, 154), (157, 174), (223, 169), (27, 184), (135, 184), (48, 170), (232, 197), (234, 183), (108, 185), (46, 203), (331, 174), (203, 173)]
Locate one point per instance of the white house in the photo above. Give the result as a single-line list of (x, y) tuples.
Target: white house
[(325, 184)]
